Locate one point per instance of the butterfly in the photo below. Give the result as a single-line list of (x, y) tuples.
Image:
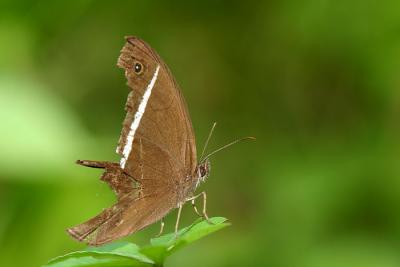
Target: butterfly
[(158, 170)]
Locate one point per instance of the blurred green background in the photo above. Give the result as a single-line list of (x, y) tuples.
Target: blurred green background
[(317, 82)]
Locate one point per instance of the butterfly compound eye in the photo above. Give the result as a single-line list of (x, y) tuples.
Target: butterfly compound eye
[(138, 67)]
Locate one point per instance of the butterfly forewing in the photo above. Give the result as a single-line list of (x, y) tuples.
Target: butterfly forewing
[(165, 132)]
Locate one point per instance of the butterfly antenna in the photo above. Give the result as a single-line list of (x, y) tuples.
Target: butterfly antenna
[(208, 140), (228, 145)]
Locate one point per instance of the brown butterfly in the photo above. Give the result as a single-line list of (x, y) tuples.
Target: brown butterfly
[(158, 170)]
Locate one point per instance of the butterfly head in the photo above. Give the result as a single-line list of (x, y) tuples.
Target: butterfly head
[(203, 170)]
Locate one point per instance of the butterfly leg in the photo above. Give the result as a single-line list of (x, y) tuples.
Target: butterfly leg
[(195, 208), (204, 211), (177, 219), (193, 199), (161, 228), (205, 207)]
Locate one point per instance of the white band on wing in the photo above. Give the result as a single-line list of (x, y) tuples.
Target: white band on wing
[(138, 116)]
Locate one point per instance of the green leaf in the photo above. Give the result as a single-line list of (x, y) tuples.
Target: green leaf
[(123, 254), (163, 246), (115, 254), (191, 233)]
